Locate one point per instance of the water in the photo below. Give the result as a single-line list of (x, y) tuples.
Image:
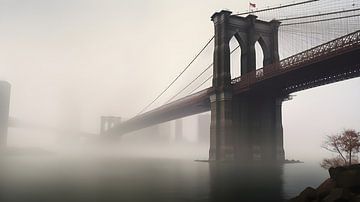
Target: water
[(53, 178)]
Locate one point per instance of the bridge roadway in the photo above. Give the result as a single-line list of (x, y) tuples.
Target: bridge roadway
[(330, 62)]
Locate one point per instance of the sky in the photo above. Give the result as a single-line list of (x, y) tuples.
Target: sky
[(87, 58)]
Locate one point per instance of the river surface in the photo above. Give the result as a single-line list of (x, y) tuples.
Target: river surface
[(52, 178)]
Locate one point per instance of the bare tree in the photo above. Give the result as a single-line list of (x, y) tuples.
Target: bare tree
[(346, 145), (350, 140)]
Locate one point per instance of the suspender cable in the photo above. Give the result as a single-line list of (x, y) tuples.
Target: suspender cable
[(182, 90), (208, 67), (181, 73), (201, 84)]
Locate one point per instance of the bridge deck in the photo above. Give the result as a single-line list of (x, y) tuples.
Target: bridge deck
[(330, 62), (193, 104)]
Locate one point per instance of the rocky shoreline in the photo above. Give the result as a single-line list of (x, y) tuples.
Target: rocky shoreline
[(343, 185)]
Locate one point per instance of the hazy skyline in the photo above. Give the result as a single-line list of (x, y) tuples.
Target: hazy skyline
[(93, 58)]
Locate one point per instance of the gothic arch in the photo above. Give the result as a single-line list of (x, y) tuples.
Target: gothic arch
[(237, 56), (265, 49)]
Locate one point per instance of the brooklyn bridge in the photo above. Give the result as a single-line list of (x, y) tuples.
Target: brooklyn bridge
[(246, 109)]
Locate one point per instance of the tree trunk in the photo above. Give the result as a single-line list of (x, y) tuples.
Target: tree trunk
[(350, 158)]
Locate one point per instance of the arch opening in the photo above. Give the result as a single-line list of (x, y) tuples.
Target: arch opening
[(235, 58), (259, 56)]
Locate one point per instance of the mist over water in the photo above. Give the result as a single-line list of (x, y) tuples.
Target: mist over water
[(133, 170)]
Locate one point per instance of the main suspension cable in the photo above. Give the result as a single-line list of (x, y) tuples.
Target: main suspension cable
[(277, 7), (322, 20), (318, 15)]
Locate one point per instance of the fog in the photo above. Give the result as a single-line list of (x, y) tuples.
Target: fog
[(71, 62)]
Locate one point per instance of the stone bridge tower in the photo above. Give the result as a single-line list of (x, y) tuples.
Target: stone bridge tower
[(247, 127)]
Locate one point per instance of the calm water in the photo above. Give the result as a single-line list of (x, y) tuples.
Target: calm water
[(75, 179)]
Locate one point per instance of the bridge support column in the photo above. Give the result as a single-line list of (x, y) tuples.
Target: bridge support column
[(258, 128), (221, 138), (221, 144), (4, 111)]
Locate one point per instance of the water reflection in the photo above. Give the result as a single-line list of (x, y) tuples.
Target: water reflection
[(233, 182)]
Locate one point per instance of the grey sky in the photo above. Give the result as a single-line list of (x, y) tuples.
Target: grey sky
[(107, 57)]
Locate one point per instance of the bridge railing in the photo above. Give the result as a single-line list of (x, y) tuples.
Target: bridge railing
[(330, 47), (311, 55)]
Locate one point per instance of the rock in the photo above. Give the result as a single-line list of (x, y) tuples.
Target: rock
[(333, 172), (325, 188), (308, 195), (346, 177), (355, 199), (338, 195)]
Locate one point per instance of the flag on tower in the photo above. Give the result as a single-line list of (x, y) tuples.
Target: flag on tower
[(252, 5)]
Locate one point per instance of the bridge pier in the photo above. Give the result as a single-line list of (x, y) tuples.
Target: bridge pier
[(4, 111), (221, 136), (257, 128)]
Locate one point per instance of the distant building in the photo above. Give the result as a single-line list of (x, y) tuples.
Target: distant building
[(156, 134), (179, 130), (164, 132), (4, 111)]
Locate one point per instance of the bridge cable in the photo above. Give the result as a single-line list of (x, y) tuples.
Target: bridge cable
[(318, 15), (208, 67), (201, 84), (316, 7), (181, 73), (182, 90), (277, 7), (322, 20)]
